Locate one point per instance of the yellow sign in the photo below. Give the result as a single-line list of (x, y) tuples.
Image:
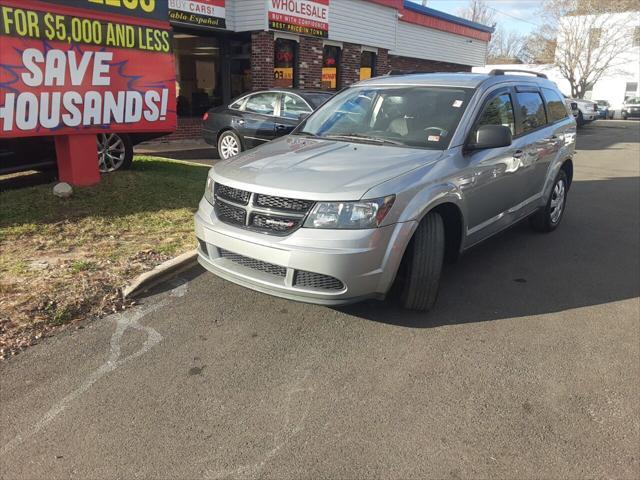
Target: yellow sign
[(329, 77), (283, 77), (365, 73)]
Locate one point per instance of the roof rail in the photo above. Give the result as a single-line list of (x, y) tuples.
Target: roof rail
[(395, 71), (500, 71)]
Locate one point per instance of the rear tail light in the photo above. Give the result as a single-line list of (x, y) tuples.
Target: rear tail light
[(205, 117)]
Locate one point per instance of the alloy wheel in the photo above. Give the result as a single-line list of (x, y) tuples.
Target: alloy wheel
[(229, 147), (558, 198), (111, 152)]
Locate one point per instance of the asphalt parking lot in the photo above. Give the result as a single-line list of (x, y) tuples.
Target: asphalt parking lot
[(527, 367)]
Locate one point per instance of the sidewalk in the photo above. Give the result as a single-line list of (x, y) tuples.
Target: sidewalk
[(197, 151)]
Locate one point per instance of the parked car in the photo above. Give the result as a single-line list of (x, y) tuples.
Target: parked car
[(631, 108), (115, 152), (604, 110), (368, 196), (587, 110), (257, 118)]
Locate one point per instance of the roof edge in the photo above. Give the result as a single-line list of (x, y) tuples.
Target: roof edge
[(447, 17)]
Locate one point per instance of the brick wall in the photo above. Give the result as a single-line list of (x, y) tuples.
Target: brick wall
[(310, 62), (188, 128), (417, 64), (382, 62), (349, 64), (262, 45)]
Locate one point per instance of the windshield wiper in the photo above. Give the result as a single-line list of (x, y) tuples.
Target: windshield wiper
[(307, 134), (368, 138)]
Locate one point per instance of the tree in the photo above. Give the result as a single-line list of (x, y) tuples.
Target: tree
[(592, 39), (478, 11), (505, 47)]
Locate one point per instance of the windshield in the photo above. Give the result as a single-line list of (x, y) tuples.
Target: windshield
[(633, 100), (424, 117)]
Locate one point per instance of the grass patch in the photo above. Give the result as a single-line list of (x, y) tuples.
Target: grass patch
[(66, 259)]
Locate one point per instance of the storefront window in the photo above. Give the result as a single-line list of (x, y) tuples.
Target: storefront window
[(367, 65), (198, 74), (240, 59), (284, 63), (330, 62)]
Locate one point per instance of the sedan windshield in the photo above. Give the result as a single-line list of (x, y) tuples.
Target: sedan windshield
[(412, 116)]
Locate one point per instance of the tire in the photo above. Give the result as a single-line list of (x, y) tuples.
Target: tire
[(624, 116), (580, 120), (419, 275), (229, 145), (547, 219), (115, 152)]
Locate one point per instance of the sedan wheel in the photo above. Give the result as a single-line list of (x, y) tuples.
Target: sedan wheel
[(229, 145), (114, 152)]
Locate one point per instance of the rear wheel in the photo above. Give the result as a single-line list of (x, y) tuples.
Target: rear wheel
[(419, 276), (548, 218), (229, 145)]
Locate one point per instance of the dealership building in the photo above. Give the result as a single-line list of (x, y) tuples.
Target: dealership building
[(224, 48)]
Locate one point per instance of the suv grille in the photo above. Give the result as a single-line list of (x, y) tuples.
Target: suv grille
[(316, 280), (230, 214), (233, 194), (262, 213), (281, 203), (254, 264)]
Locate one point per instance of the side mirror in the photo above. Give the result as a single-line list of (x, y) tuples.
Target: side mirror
[(490, 136)]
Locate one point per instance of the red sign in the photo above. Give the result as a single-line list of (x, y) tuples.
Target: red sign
[(66, 71), (305, 17)]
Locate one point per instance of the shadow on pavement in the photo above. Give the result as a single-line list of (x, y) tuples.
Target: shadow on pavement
[(602, 134), (592, 259)]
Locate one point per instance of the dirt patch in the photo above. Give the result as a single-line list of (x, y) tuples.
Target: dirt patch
[(65, 261)]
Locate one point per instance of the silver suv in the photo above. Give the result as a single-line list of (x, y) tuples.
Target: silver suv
[(384, 182)]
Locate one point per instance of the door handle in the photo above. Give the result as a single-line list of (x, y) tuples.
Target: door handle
[(280, 127), (518, 154)]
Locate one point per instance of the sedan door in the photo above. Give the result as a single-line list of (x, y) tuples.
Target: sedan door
[(257, 124), (293, 109)]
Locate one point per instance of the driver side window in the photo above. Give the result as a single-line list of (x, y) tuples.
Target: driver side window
[(499, 111)]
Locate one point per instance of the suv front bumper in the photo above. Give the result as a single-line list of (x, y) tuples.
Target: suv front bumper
[(338, 266)]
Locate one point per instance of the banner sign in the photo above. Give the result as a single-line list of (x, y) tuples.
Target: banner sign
[(200, 13), (146, 9), (304, 17), (63, 72)]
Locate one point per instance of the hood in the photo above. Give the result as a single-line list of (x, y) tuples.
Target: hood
[(317, 169)]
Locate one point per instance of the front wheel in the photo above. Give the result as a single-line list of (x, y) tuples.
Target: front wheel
[(548, 218), (229, 145), (419, 276), (115, 152)]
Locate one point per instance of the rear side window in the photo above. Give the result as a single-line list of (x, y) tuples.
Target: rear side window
[(264, 103), (499, 111), (531, 110), (556, 107)]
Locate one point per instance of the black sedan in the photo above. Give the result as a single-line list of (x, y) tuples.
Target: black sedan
[(258, 117)]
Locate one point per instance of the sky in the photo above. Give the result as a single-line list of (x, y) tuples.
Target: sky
[(513, 15)]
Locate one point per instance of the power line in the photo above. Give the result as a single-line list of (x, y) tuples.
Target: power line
[(513, 16)]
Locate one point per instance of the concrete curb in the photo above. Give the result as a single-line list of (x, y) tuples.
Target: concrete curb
[(161, 273)]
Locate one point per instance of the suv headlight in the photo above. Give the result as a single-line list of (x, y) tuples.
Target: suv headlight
[(208, 190), (350, 215)]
